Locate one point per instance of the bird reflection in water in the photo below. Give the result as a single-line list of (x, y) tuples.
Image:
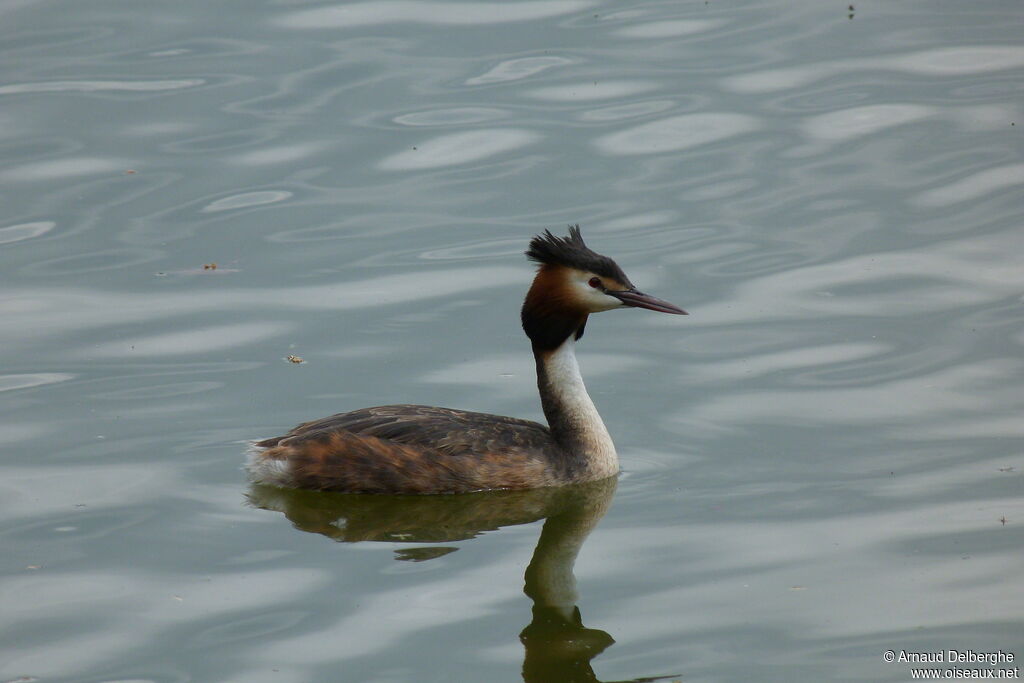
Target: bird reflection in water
[(558, 646)]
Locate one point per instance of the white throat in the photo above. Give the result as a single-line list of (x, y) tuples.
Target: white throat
[(571, 414)]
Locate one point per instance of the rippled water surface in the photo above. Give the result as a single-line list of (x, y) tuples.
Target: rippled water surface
[(822, 462)]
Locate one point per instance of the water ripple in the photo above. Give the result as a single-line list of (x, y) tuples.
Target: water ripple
[(58, 312), (454, 116), (839, 126), (157, 391), (276, 154), (138, 607), (951, 275), (94, 261), (926, 397), (950, 61), (596, 90), (971, 187), (36, 379), (437, 13), (517, 69), (246, 200), (25, 231), (782, 362), (620, 112), (99, 86), (668, 29), (459, 148), (194, 341), (677, 133), (59, 169)]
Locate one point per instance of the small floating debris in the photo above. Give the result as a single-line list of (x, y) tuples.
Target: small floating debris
[(207, 269), (295, 359)]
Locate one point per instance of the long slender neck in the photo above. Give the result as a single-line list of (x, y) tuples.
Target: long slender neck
[(575, 424)]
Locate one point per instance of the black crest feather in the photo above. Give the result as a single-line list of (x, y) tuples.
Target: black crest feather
[(572, 252)]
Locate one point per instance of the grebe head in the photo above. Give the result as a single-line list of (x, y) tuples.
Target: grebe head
[(572, 282)]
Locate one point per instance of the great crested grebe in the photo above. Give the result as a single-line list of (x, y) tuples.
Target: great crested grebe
[(423, 449)]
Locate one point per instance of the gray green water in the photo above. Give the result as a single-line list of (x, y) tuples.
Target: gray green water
[(822, 463)]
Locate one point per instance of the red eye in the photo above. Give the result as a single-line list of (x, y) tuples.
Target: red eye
[(594, 282)]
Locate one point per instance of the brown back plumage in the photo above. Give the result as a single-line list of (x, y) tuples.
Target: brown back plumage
[(415, 449)]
